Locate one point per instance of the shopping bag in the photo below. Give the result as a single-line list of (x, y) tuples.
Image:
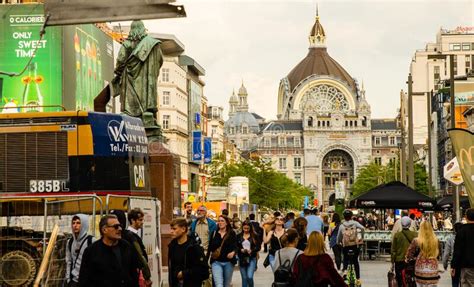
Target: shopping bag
[(392, 279)]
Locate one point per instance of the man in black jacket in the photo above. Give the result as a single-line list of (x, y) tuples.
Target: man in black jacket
[(187, 264), (110, 261), (463, 254)]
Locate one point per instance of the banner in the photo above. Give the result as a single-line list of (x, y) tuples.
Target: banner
[(207, 150), (197, 146), (40, 84), (463, 146)]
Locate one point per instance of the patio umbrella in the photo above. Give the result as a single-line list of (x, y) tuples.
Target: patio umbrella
[(394, 195)]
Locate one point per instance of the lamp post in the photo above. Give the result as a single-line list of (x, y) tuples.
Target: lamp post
[(441, 56)]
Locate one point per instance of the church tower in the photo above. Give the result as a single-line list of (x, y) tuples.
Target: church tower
[(233, 103), (243, 105)]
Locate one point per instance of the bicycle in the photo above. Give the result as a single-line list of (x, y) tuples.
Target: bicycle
[(350, 277)]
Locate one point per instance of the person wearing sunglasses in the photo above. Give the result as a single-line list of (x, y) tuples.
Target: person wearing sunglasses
[(273, 237), (110, 261)]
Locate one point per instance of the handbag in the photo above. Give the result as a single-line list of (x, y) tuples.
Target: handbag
[(266, 262), (217, 253), (392, 279)]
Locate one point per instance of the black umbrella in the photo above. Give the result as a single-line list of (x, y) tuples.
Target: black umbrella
[(447, 202), (395, 195)]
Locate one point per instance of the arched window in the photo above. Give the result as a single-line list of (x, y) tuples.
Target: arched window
[(310, 121)]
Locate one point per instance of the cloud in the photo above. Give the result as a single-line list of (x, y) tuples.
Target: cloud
[(261, 41)]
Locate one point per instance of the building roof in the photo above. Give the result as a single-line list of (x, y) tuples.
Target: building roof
[(171, 45), (318, 62), (257, 116), (282, 126), (384, 124), (240, 118), (192, 64)]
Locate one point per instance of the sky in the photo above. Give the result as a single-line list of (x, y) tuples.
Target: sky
[(261, 41)]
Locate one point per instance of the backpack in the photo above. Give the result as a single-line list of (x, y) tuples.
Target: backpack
[(282, 275), (349, 236), (305, 277)]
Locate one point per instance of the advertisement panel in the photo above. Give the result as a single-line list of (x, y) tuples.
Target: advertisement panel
[(89, 60), (197, 146), (207, 150), (464, 91), (40, 84)]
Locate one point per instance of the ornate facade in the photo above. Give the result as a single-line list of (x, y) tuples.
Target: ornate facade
[(323, 134)]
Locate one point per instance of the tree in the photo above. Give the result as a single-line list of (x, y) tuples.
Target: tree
[(267, 187), (374, 174)]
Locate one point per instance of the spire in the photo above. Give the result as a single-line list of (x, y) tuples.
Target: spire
[(317, 37), (233, 103)]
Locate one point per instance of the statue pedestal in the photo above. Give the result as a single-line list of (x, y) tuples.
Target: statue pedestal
[(165, 175), (152, 129)]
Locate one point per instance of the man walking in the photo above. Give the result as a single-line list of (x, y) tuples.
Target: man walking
[(315, 223), (136, 220), (75, 248), (188, 212), (400, 243), (187, 263), (203, 227), (463, 255), (110, 261), (350, 236)]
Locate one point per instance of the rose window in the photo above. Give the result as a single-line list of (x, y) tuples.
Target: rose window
[(324, 99)]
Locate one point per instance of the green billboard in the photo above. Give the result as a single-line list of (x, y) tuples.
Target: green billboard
[(40, 84), (89, 62)]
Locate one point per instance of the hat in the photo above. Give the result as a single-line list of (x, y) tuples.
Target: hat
[(406, 222)]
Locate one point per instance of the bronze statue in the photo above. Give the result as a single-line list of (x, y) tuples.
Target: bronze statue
[(136, 74)]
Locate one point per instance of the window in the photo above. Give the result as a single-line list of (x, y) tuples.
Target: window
[(297, 162), (310, 121), (282, 141), (267, 142), (436, 74), (298, 178), (468, 63), (245, 144), (297, 141), (165, 76), (245, 130), (378, 141), (455, 47), (166, 122), (214, 130), (166, 98), (466, 46), (231, 131), (393, 141), (282, 163), (378, 160)]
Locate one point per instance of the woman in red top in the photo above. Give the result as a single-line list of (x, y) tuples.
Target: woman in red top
[(316, 263)]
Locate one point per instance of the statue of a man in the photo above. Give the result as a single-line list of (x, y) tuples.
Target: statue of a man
[(136, 74)]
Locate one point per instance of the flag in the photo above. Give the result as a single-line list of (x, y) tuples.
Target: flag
[(463, 146)]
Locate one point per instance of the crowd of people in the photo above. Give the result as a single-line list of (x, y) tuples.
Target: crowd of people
[(203, 251)]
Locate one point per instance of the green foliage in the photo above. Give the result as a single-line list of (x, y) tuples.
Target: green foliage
[(267, 187), (373, 174)]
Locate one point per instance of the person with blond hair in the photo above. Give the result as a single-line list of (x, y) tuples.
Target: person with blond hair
[(424, 251), (315, 266)]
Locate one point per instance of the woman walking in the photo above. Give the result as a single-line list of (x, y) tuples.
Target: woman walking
[(248, 246), (336, 248), (289, 252), (273, 238), (300, 225), (424, 251), (315, 266), (222, 248)]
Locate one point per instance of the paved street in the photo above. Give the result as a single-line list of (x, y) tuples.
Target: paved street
[(374, 274)]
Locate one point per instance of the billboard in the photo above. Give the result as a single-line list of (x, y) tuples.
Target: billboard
[(89, 62), (40, 84)]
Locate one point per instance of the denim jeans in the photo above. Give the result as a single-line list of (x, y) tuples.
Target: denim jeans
[(247, 272), (271, 258), (222, 273)]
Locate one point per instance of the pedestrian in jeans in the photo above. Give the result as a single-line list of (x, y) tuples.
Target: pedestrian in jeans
[(424, 250), (187, 263), (400, 243), (273, 238), (248, 247), (110, 261), (349, 236), (463, 256), (204, 227), (75, 248), (336, 248), (289, 252), (222, 250), (448, 254)]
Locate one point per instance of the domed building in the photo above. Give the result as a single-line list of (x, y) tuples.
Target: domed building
[(325, 122), (242, 127)]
